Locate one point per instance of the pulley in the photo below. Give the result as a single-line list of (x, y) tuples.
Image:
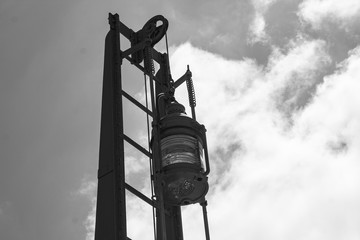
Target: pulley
[(151, 33)]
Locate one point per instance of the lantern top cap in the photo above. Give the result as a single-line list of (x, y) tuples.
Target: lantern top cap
[(175, 107)]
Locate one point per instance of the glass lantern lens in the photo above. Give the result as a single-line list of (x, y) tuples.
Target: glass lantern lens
[(181, 149)]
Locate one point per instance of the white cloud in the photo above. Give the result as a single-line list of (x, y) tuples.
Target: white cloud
[(222, 39), (316, 12), (88, 189), (294, 73), (334, 113), (257, 31), (298, 181)]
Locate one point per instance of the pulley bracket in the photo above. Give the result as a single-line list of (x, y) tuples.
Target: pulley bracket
[(150, 32)]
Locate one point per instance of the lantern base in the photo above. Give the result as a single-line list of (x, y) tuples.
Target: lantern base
[(183, 185)]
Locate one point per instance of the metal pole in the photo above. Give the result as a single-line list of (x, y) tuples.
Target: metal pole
[(160, 212), (119, 138), (206, 223), (110, 210)]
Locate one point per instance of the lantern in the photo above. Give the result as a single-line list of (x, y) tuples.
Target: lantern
[(184, 157)]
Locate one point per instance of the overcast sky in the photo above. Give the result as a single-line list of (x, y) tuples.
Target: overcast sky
[(277, 85)]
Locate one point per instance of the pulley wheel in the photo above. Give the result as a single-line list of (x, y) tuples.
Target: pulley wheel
[(156, 33)]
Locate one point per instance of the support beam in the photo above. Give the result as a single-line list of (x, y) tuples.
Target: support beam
[(110, 209)]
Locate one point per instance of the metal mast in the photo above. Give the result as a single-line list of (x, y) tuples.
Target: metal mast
[(179, 155)]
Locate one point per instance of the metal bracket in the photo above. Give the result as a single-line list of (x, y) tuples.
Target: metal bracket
[(136, 48), (183, 78)]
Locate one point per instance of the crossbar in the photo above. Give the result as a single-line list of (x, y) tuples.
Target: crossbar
[(136, 145), (137, 103), (140, 195)]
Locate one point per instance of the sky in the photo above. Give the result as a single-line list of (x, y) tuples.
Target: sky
[(277, 86)]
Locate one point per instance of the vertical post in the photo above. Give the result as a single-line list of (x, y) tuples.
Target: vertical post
[(119, 136), (160, 212), (174, 223), (169, 226), (206, 223), (111, 211)]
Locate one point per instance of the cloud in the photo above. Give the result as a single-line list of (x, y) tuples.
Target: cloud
[(333, 114), (88, 189), (279, 180), (318, 12), (257, 31), (293, 73)]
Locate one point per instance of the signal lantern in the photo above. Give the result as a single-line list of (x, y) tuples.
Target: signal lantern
[(184, 157)]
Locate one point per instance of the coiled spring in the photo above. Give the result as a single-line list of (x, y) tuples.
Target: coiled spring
[(149, 62), (191, 92)]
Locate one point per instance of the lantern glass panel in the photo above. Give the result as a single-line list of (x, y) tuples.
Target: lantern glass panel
[(181, 148)]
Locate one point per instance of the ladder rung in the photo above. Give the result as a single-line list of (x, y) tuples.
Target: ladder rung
[(134, 101), (136, 145), (140, 195)]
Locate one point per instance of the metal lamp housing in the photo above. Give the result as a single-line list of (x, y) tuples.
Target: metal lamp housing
[(184, 159)]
